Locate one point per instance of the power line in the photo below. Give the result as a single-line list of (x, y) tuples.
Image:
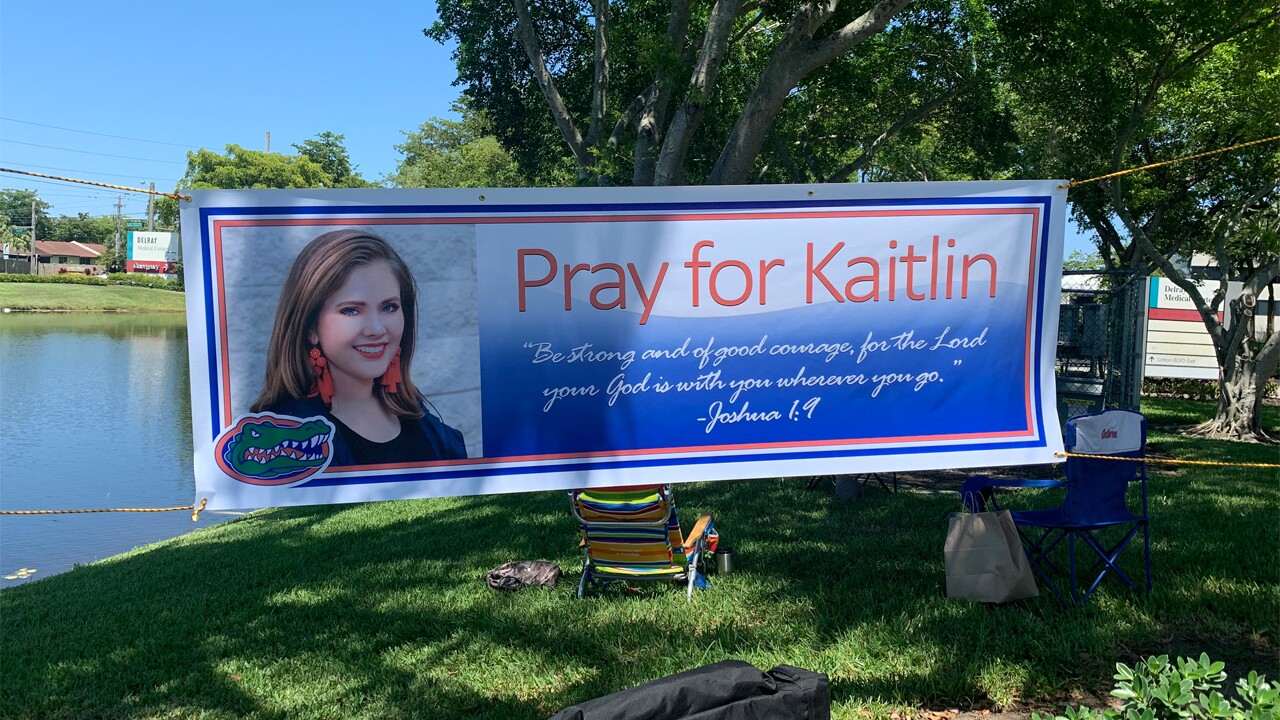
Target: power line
[(69, 195), (44, 182), (86, 152), (86, 172), (89, 132), (147, 191), (60, 184)]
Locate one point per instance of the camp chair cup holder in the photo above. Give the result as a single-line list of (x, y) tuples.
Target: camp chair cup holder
[(724, 560)]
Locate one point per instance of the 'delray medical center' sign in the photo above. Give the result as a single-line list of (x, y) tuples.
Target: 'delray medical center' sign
[(589, 337), (151, 252)]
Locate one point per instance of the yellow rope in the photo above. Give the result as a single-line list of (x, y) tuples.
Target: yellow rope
[(195, 515), (145, 191), (1168, 461), (1074, 183)]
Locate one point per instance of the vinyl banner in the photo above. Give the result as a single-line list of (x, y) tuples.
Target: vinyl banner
[(352, 345)]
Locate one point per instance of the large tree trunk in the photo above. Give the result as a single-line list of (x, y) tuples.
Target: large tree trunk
[(1242, 386), (1268, 362), (1237, 415)]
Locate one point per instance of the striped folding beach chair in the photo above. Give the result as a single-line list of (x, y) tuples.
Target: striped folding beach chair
[(633, 533)]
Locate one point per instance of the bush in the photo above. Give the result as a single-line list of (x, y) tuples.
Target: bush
[(148, 281), (1156, 690), (67, 278), (1190, 389), (1182, 388)]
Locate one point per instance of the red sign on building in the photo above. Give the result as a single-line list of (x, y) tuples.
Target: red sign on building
[(149, 266)]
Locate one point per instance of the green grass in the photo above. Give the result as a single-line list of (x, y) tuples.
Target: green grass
[(381, 610), (59, 296)]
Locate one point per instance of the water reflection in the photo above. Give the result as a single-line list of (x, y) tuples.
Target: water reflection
[(94, 413)]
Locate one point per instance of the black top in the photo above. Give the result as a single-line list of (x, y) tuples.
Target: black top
[(410, 445), (428, 438)]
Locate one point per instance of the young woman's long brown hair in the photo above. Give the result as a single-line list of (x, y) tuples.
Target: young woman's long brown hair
[(320, 270)]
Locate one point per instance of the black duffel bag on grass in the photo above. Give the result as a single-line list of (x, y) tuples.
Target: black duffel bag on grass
[(727, 690)]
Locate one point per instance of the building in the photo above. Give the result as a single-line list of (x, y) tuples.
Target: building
[(57, 257)]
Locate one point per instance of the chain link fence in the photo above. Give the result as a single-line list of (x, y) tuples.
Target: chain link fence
[(1099, 363)]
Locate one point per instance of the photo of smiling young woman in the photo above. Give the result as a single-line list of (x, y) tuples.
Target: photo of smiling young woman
[(342, 348)]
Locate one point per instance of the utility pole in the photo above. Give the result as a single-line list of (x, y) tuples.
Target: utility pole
[(35, 260), (119, 205), (151, 218)]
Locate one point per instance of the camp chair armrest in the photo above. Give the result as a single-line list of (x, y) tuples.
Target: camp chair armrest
[(975, 491), (698, 532)]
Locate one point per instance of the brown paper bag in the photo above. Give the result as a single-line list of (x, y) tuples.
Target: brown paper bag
[(984, 559)]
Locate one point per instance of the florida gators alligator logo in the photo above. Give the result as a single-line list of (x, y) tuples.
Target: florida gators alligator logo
[(267, 449)]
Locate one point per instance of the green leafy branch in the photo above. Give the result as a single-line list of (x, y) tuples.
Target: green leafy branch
[(1159, 690)]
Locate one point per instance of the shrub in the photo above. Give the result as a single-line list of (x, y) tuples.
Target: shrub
[(148, 281), (1192, 389), (1183, 388), (67, 278), (1158, 690)]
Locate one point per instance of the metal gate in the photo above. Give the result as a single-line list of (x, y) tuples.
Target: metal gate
[(1099, 363)]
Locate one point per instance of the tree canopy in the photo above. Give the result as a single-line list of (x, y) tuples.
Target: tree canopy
[(1135, 84), (446, 153), (327, 151), (84, 228), (238, 168), (15, 211), (643, 92)]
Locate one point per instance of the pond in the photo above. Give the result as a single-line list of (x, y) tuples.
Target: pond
[(95, 412)]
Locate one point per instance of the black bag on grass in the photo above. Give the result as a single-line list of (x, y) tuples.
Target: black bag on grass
[(727, 690), (524, 573)]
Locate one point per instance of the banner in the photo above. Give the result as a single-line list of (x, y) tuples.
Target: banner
[(353, 345)]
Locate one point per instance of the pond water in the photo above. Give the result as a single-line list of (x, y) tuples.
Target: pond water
[(95, 412)]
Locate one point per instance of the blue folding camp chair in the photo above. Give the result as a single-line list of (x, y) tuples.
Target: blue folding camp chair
[(632, 533), (1095, 511)]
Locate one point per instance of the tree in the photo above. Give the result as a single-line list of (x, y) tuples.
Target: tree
[(1134, 84), (327, 151), (661, 93), (241, 169), (83, 228), (16, 206), (249, 169), (17, 241), (1080, 260), (455, 153)]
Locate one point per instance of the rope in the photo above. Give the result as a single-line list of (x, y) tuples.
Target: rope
[(1168, 461), (145, 191), (195, 515), (1074, 183)]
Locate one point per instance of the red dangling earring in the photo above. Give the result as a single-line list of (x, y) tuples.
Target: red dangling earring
[(392, 378), (322, 385)]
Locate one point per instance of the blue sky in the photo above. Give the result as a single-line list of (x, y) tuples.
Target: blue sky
[(187, 75), (119, 92)]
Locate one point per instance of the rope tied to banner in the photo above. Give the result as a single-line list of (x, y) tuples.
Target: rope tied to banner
[(144, 191), (1069, 185), (195, 514), (1074, 183), (1167, 461)]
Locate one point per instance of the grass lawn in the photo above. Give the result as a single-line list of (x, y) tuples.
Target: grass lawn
[(60, 296), (381, 610)]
